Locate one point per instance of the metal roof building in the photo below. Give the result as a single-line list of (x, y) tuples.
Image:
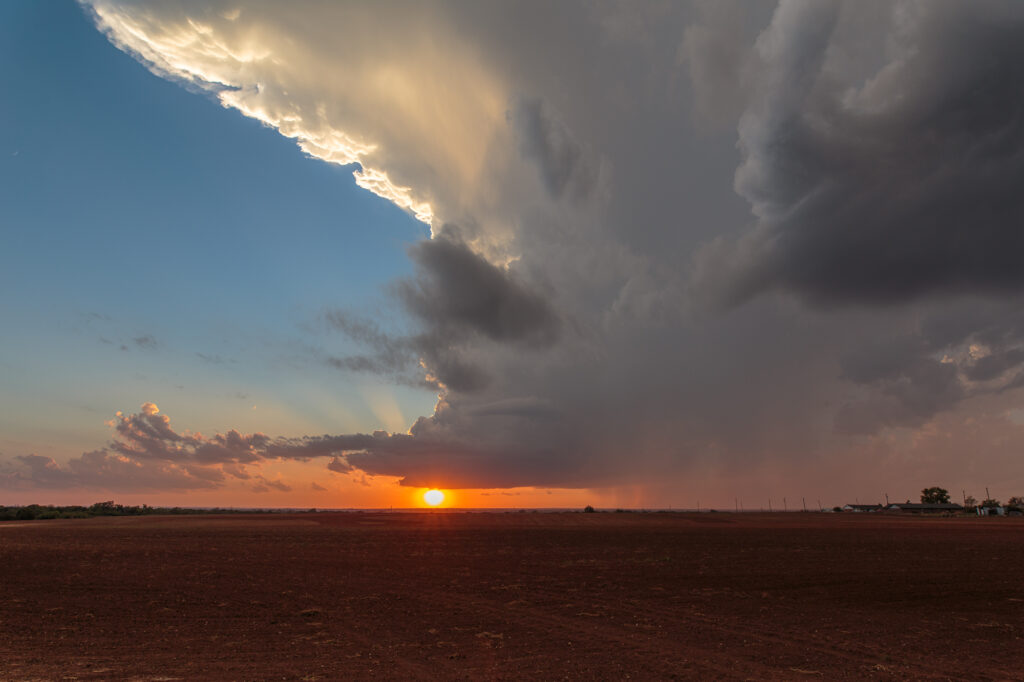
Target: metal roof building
[(921, 508)]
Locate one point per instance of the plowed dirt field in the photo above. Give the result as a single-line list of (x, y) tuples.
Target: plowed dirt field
[(542, 596)]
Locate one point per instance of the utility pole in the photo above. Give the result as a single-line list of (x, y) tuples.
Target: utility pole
[(737, 502), (769, 504), (785, 507), (887, 499), (804, 500)]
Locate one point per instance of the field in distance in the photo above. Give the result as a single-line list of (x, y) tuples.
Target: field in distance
[(512, 596)]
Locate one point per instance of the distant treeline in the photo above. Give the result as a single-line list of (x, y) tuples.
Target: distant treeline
[(109, 508)]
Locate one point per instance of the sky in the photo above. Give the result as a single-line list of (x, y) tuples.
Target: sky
[(534, 254)]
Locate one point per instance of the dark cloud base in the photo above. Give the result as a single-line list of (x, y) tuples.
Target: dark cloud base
[(884, 191)]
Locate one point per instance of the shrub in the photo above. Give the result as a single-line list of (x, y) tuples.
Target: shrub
[(588, 509)]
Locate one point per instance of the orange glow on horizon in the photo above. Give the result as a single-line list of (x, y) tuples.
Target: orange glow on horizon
[(307, 485)]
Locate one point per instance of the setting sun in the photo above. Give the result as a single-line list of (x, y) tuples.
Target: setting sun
[(433, 497)]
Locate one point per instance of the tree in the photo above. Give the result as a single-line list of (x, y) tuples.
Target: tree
[(970, 502), (1016, 501), (588, 509), (991, 503), (935, 495), (103, 508)]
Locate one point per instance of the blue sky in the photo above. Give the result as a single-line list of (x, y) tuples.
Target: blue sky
[(137, 214)]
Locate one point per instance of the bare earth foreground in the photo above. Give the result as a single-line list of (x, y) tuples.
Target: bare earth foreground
[(512, 596)]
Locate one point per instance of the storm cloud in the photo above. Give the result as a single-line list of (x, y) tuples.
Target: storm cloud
[(457, 298), (566, 168), (880, 181), (146, 454), (459, 293), (669, 242)]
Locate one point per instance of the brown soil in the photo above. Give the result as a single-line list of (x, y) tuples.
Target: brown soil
[(512, 596)]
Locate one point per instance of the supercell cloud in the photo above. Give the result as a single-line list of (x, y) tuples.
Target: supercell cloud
[(667, 240), (888, 181)]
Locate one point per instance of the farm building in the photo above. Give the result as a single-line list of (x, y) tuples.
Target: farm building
[(924, 508), (991, 511), (863, 507)]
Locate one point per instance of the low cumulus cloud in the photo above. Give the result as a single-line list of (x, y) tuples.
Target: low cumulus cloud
[(147, 454), (105, 470), (669, 243)]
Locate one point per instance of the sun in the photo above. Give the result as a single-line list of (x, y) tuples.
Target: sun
[(433, 497)]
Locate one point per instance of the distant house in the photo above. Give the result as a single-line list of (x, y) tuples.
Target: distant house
[(924, 508), (862, 507)]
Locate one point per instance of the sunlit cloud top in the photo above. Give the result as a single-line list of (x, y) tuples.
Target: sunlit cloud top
[(416, 112)]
